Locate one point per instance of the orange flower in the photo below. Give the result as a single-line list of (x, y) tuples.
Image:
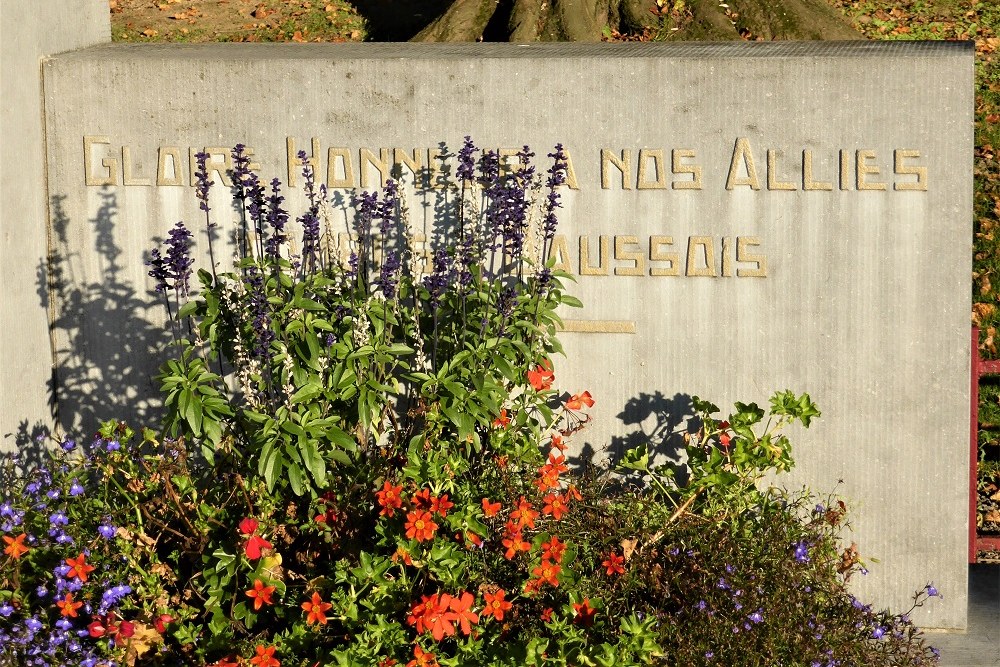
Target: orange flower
[(496, 605), (613, 564), (431, 614), (422, 658), (547, 572), (584, 613), (79, 567), (524, 514), (541, 378), (316, 609), (265, 657), (553, 549), (420, 526), (503, 420), (577, 401), (67, 607), (15, 546), (514, 542), (441, 505), (461, 610), (260, 594), (389, 498), (555, 505), (422, 499), (490, 509)]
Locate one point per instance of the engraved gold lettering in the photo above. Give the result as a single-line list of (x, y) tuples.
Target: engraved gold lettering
[(901, 168), (727, 258), (559, 251), (381, 163), (401, 158), (742, 243), (295, 165), (863, 169), (338, 161), (707, 243), (111, 164), (642, 182), (605, 251), (622, 252), (176, 170), (807, 174), (742, 154), (657, 255), (223, 168), (772, 173), (570, 172), (678, 167), (608, 158), (845, 170), (128, 178)]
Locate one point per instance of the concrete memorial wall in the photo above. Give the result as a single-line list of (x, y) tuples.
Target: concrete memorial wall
[(741, 218)]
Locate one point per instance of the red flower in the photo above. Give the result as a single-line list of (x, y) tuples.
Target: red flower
[(254, 542), (15, 546), (496, 605), (260, 594), (524, 514), (228, 661), (162, 621), (78, 567), (514, 542), (389, 498), (248, 526), (441, 505), (541, 378), (577, 401), (584, 613), (503, 420), (420, 525), (422, 658), (613, 564), (265, 657), (431, 615), (490, 509), (316, 609), (422, 499), (553, 549), (67, 607), (547, 572), (555, 505), (461, 609)]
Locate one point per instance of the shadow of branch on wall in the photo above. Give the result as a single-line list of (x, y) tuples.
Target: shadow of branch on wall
[(654, 420), (104, 345)]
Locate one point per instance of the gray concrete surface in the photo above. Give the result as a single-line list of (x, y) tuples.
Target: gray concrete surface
[(745, 218), (979, 646), (29, 31)]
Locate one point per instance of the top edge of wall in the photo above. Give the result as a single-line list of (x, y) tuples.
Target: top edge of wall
[(454, 51)]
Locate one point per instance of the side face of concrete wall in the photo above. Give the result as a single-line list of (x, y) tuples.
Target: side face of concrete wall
[(30, 31), (747, 218)]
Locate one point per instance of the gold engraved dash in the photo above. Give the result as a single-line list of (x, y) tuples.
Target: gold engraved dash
[(599, 326)]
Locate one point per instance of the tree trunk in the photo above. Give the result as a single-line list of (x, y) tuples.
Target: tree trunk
[(589, 20)]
